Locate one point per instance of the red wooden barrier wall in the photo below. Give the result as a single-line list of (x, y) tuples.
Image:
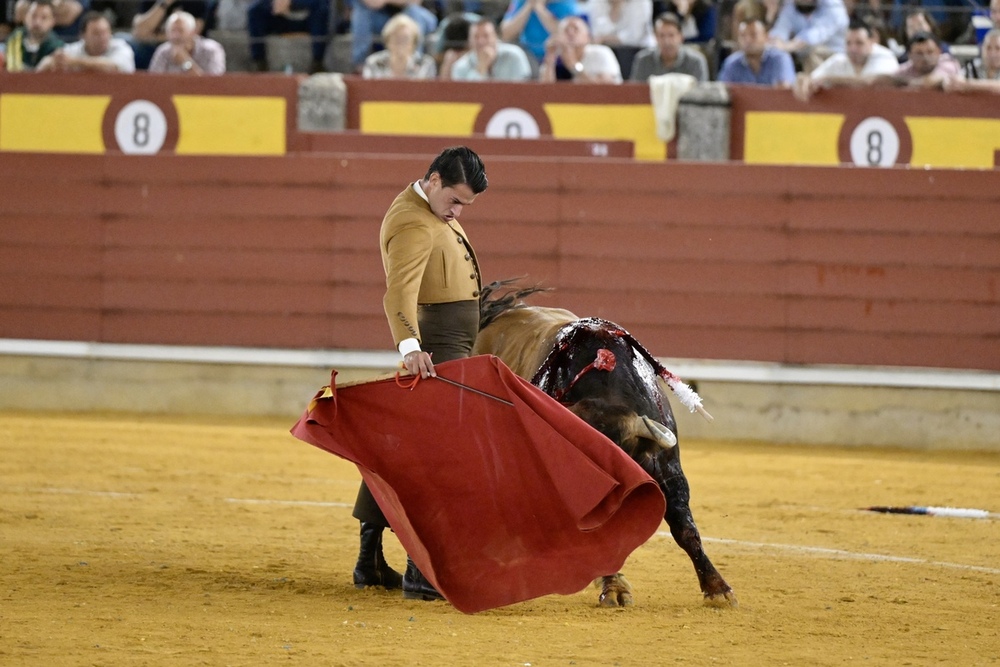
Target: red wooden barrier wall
[(795, 265)]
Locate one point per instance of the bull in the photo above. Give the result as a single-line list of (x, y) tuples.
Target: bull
[(605, 377)]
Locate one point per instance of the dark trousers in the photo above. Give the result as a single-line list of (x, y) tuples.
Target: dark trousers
[(448, 331), (261, 23)]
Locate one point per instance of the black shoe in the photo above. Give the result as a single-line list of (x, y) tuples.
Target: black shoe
[(416, 587), (372, 570)]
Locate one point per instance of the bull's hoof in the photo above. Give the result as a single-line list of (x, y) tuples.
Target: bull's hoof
[(722, 600), (615, 591)]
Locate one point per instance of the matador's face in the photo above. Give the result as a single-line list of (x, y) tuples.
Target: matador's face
[(447, 202)]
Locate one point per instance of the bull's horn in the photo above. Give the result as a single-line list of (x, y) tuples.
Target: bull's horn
[(655, 430)]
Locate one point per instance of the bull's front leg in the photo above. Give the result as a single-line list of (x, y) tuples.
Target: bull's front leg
[(675, 489), (615, 591)]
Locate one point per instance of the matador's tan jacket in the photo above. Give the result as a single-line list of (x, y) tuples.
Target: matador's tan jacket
[(426, 260)]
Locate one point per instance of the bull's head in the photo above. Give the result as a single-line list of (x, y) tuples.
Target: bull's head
[(639, 435)]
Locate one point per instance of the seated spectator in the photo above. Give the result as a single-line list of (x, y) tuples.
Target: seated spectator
[(229, 15), (6, 21), (489, 59), (451, 41), (97, 51), (917, 21), (926, 67), (187, 52), (368, 18), (670, 55), (984, 72), (810, 30), (148, 26), (697, 18), (28, 45), (67, 16), (280, 17), (947, 19), (756, 62), (621, 22), (858, 65), (744, 11), (401, 58), (569, 56), (531, 22)]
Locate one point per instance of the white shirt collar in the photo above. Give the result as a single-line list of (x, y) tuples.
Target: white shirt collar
[(420, 191)]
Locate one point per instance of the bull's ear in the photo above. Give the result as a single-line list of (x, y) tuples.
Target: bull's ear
[(650, 428)]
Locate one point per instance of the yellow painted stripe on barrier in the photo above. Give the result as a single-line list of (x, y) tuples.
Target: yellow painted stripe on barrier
[(434, 119), (953, 142), (52, 123), (778, 137), (630, 122), (230, 125)]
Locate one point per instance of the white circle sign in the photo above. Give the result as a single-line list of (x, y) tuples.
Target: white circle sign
[(874, 143), (140, 128), (512, 123)]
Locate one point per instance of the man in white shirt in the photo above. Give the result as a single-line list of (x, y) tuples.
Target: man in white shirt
[(862, 60), (489, 59), (97, 51), (570, 56)]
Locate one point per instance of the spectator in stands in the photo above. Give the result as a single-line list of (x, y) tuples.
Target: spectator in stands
[(810, 30), (698, 18), (368, 18), (149, 25), (489, 59), (984, 72), (862, 61), (67, 16), (6, 21), (621, 22), (451, 41), (28, 45), (532, 22), (280, 17), (569, 56), (401, 58), (669, 56), (187, 52), (765, 11), (927, 66), (947, 19), (97, 51), (756, 62)]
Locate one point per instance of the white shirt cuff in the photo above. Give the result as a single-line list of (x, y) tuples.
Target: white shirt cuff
[(408, 345)]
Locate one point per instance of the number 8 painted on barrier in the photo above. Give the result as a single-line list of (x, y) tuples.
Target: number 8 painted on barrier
[(874, 143), (140, 128)]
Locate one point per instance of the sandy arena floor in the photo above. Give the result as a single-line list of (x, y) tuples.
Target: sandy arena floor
[(167, 541)]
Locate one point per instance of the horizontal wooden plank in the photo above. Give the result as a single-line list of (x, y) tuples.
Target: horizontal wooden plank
[(183, 298), (886, 317), (48, 323), (48, 291), (670, 244), (864, 247), (255, 266), (303, 331), (681, 276), (905, 283), (903, 349), (32, 229), (61, 261)]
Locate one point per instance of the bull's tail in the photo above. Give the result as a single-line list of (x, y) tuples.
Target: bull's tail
[(502, 295)]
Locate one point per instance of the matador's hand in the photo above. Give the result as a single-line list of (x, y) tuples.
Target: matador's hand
[(419, 362)]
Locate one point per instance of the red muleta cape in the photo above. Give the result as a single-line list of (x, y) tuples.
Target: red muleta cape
[(495, 503)]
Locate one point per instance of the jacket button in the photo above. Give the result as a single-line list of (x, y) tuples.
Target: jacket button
[(472, 276), (459, 239), (476, 293), (468, 256)]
